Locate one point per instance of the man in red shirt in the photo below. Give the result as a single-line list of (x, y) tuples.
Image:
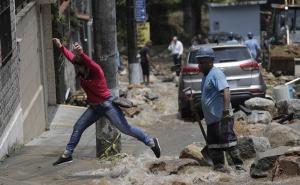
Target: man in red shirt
[(93, 82)]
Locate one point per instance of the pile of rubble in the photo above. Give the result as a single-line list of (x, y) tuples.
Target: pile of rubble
[(272, 144), (273, 80)]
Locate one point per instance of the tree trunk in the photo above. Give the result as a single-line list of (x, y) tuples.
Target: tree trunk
[(134, 65), (197, 8), (189, 19), (104, 24)]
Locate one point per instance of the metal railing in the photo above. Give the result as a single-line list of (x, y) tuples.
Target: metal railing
[(20, 4), (4, 4), (5, 32)]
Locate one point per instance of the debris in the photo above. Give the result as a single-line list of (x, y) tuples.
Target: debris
[(151, 96), (193, 152), (130, 112), (173, 166)]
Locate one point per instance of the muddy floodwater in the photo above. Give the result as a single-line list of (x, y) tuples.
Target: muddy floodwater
[(136, 165)]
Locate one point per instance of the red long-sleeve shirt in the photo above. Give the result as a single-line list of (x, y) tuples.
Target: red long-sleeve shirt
[(95, 86)]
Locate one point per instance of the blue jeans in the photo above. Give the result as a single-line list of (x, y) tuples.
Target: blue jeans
[(114, 114)]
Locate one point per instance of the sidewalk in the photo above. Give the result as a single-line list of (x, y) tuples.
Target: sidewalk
[(33, 163)]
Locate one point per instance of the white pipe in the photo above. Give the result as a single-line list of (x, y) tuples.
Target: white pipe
[(293, 81)]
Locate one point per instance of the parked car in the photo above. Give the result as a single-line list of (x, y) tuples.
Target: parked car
[(241, 70)]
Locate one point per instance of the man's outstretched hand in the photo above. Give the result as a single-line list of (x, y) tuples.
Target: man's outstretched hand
[(57, 42)]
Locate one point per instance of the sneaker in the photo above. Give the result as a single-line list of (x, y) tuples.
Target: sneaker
[(156, 148), (221, 168), (63, 160), (240, 168)]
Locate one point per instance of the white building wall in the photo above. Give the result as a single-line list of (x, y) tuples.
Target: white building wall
[(239, 19)]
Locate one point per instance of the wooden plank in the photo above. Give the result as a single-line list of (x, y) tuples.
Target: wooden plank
[(82, 16), (63, 7)]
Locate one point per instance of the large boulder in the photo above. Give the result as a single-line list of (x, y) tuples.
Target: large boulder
[(295, 125), (289, 106), (251, 145), (239, 115), (242, 128), (287, 165), (193, 152), (265, 161), (281, 135), (263, 117), (257, 129), (260, 104)]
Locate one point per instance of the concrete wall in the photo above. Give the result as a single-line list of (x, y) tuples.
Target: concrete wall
[(27, 81), (32, 93), (11, 125), (238, 19)]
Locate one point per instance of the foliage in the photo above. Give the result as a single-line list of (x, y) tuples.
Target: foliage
[(111, 150)]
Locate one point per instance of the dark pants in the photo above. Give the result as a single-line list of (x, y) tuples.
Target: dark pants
[(176, 59), (217, 155), (145, 68), (177, 62), (221, 137)]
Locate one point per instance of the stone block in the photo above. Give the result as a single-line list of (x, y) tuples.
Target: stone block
[(265, 161)]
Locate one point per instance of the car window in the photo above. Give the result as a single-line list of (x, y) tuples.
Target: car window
[(231, 54), (228, 54)]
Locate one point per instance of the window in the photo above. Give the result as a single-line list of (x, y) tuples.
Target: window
[(230, 54), (225, 54), (5, 32)]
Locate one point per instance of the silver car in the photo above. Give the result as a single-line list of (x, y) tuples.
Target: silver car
[(241, 70)]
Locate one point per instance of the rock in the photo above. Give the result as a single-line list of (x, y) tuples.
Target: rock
[(265, 161), (281, 135), (193, 152), (260, 104), (240, 115), (151, 96), (168, 79), (241, 128), (251, 145), (257, 129), (169, 167), (263, 117), (122, 93), (135, 86), (295, 125), (179, 183), (255, 172), (130, 112), (287, 165), (289, 106), (270, 76)]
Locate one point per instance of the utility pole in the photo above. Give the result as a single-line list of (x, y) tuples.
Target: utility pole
[(135, 75), (108, 138)]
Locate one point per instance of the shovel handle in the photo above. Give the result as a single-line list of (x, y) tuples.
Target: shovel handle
[(190, 95)]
